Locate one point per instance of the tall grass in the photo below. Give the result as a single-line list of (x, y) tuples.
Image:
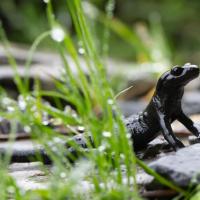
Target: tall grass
[(107, 171)]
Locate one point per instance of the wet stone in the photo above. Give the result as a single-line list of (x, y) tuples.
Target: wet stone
[(157, 147), (29, 176), (181, 167), (142, 178), (23, 151)]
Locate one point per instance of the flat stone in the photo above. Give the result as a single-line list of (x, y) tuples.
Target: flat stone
[(142, 178), (24, 166), (24, 151), (181, 167), (155, 148), (29, 176), (21, 145)]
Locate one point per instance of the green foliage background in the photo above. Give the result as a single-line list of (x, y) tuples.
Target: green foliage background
[(25, 20)]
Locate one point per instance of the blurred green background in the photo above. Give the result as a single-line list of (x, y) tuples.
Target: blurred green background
[(179, 20)]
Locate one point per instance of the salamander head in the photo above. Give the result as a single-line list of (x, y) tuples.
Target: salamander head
[(178, 76)]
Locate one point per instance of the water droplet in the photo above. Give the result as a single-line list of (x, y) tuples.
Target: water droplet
[(102, 185), (81, 51), (6, 101), (101, 148), (63, 175), (33, 108), (128, 135), (45, 122), (110, 101), (21, 103), (11, 189), (106, 134), (10, 109), (57, 34), (74, 115), (46, 1), (126, 181), (122, 156), (36, 115), (27, 129), (81, 129)]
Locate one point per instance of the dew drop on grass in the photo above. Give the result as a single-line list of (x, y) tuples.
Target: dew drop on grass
[(57, 34), (10, 109), (126, 181), (63, 175), (33, 108), (81, 129), (21, 103), (110, 102), (45, 122), (36, 114), (74, 115), (81, 50), (101, 148), (106, 134), (46, 1), (122, 156), (27, 129), (102, 185), (11, 189), (6, 101)]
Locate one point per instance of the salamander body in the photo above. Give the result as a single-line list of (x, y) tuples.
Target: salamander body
[(163, 109)]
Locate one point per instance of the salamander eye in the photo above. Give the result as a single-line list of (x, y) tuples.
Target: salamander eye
[(176, 71)]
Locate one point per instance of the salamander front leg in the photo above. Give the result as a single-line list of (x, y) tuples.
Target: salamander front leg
[(168, 132), (189, 124)]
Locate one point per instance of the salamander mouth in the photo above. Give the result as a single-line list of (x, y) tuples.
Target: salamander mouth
[(191, 71)]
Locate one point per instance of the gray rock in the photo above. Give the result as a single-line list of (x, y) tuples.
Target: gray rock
[(158, 146), (23, 151), (142, 178), (131, 107), (182, 167), (29, 176), (191, 102)]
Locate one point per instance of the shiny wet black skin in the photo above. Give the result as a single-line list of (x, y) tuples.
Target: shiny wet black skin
[(163, 109)]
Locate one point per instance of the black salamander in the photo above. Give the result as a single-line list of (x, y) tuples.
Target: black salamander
[(163, 109)]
